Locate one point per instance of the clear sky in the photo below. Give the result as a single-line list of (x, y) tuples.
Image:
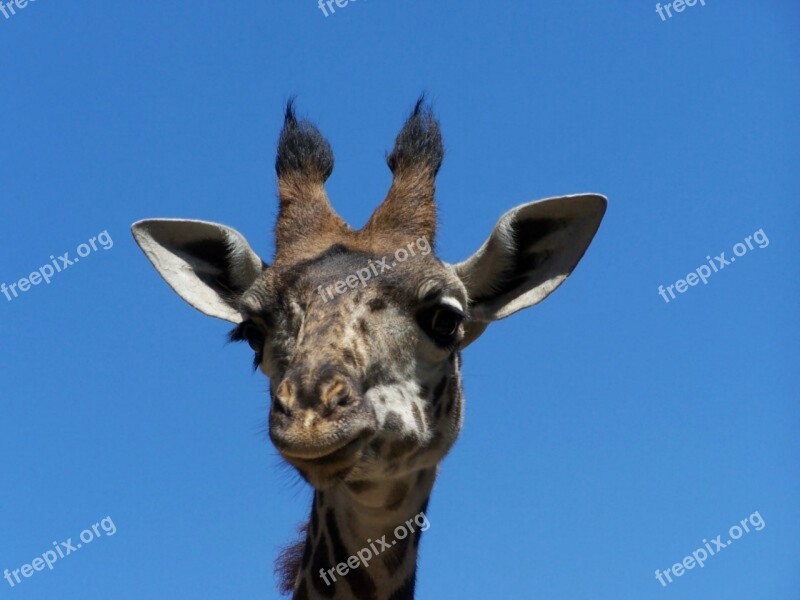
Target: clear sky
[(608, 432)]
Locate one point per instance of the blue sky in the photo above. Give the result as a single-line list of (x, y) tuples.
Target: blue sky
[(607, 431)]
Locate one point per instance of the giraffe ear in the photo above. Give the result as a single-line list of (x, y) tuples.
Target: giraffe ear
[(207, 264), (532, 250)]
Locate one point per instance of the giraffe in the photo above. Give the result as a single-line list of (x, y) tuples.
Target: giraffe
[(365, 383)]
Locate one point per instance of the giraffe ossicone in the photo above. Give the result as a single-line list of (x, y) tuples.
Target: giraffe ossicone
[(365, 386)]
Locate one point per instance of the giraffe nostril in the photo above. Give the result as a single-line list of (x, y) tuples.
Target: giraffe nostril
[(280, 407), (282, 399), (344, 399), (336, 393)]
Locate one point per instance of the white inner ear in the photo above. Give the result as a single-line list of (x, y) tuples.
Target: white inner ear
[(167, 243), (496, 273)]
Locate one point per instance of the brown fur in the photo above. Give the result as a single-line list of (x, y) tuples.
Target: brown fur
[(409, 207), (307, 224)]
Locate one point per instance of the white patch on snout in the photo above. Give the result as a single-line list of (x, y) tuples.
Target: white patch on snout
[(399, 399)]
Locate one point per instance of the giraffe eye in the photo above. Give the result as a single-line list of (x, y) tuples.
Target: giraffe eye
[(253, 336), (441, 323), (445, 322)]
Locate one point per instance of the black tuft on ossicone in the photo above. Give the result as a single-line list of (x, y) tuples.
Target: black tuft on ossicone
[(302, 148), (419, 143)]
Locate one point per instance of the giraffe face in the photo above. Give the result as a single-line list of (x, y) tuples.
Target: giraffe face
[(364, 383)]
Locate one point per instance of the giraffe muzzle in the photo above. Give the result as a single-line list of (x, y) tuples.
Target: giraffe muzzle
[(326, 422)]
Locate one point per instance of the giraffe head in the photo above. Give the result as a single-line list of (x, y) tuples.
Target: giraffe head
[(359, 331)]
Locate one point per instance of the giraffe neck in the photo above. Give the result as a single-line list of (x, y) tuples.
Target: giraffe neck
[(363, 536), (377, 529)]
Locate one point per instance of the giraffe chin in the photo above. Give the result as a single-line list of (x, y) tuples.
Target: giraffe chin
[(326, 471)]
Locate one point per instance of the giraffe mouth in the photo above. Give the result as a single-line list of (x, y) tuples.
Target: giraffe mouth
[(327, 456), (324, 470)]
